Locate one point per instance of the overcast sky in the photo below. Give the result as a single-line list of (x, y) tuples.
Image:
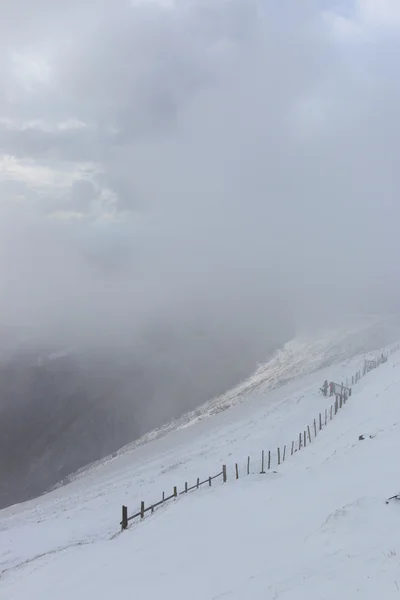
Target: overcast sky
[(233, 160)]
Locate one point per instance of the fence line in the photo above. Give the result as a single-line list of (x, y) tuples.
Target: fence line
[(341, 392)]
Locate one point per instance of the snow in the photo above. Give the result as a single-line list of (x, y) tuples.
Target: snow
[(301, 356), (318, 527)]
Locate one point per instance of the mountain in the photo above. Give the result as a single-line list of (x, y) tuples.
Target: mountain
[(63, 408), (318, 525)]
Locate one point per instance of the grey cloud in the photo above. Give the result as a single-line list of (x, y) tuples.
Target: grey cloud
[(74, 144), (235, 178), (190, 115), (11, 188), (243, 175), (127, 198), (82, 194), (77, 199)]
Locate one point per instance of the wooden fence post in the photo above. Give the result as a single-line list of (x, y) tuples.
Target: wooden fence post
[(224, 473), (262, 462), (309, 434), (198, 482), (269, 459), (284, 453), (331, 411), (299, 441), (305, 441), (163, 496), (124, 523), (292, 449), (237, 470), (248, 465), (186, 487), (142, 510), (175, 491), (279, 456), (315, 428), (320, 421), (209, 481)]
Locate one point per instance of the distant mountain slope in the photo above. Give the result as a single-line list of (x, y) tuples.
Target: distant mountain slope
[(301, 356), (63, 408), (315, 526)]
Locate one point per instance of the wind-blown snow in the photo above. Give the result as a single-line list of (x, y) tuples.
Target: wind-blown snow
[(318, 528), (299, 357)]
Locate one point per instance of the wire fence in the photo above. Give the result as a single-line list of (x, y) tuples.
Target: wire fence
[(271, 459)]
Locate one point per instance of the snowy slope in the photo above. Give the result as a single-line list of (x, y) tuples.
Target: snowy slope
[(318, 528), (301, 356)]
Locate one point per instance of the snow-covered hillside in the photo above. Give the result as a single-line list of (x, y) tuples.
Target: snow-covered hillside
[(305, 354), (318, 528)]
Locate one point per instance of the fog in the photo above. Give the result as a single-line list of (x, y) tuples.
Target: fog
[(184, 185)]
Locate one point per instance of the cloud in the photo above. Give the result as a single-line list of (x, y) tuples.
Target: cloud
[(183, 185), (384, 13), (202, 155)]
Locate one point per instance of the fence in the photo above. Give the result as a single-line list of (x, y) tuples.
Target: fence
[(175, 494), (341, 392)]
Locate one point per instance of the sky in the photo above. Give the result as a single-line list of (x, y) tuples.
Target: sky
[(222, 162), (184, 186)]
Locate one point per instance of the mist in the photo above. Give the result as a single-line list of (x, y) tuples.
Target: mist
[(183, 186)]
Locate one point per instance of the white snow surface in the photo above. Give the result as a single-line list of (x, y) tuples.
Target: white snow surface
[(316, 527), (301, 356)]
